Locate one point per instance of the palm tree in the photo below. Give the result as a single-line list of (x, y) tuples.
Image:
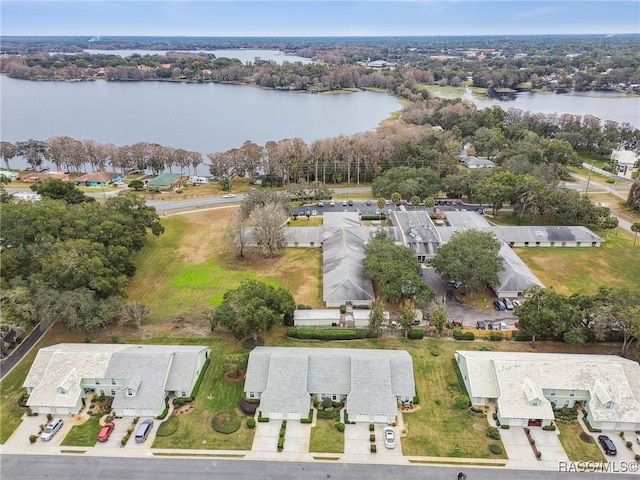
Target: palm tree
[(381, 202), (635, 228)]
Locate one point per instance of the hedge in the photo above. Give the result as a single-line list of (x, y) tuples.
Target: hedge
[(415, 334), (309, 419), (493, 432), (164, 414), (549, 428), (522, 337), (458, 334), (495, 449), (333, 415), (496, 337), (328, 333), (225, 422)]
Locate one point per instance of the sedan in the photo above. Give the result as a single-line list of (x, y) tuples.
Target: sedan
[(332, 203), (229, 195), (106, 431), (481, 325), (507, 303), (389, 437), (607, 445), (499, 304)]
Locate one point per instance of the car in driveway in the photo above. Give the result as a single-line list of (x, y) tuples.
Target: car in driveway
[(143, 431), (389, 437), (499, 305), (607, 445), (106, 431), (50, 430)]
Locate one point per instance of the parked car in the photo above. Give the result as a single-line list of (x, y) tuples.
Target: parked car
[(50, 430), (332, 203), (377, 211), (344, 203), (143, 431), (368, 203), (481, 325), (499, 326), (229, 195), (499, 304), (516, 303), (350, 203), (638, 439), (314, 213), (320, 203), (607, 445), (508, 303), (389, 437), (105, 432)]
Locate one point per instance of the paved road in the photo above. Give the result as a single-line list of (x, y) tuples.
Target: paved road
[(20, 351), (76, 467)]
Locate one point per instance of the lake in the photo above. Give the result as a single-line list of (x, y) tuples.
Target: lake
[(604, 105), (206, 117), (244, 55)]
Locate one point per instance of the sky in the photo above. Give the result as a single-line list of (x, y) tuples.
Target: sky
[(214, 18)]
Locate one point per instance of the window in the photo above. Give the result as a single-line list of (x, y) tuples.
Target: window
[(334, 398), (552, 244), (535, 402), (183, 393), (537, 244), (572, 393), (62, 390), (97, 381), (608, 405), (478, 399), (252, 395), (130, 392), (113, 392), (526, 244), (554, 392), (113, 381), (101, 391), (566, 403)]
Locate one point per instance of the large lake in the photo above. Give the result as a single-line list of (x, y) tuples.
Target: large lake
[(202, 117)]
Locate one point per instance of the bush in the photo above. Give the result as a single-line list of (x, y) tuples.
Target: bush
[(637, 457), (33, 438), (538, 454), (505, 426), (282, 432), (495, 449), (522, 337), (371, 427), (589, 427), (168, 427), (496, 337), (629, 444), (251, 422), (343, 309), (339, 426), (372, 437), (477, 410), (180, 401), (458, 334), (549, 428), (415, 334), (309, 418), (416, 400), (24, 398), (261, 418), (322, 414), (435, 352), (49, 417), (327, 402), (493, 432), (462, 402), (225, 422), (532, 441), (373, 448), (328, 333)]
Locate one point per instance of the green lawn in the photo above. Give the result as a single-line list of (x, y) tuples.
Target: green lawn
[(85, 435), (576, 449), (215, 395), (325, 438)]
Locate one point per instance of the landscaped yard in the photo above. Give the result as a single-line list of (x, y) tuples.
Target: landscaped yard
[(85, 435), (325, 438), (577, 449)]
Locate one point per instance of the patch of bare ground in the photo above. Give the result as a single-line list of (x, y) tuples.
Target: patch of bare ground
[(205, 235)]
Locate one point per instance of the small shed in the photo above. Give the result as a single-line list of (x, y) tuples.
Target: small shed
[(166, 181), (316, 318)]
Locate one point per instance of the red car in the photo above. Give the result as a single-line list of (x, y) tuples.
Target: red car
[(105, 432)]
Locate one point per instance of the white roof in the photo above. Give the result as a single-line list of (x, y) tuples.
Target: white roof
[(317, 314), (624, 157), (514, 378)]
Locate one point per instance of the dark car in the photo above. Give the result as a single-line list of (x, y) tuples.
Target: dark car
[(499, 304), (480, 325), (607, 445), (368, 203), (350, 203)]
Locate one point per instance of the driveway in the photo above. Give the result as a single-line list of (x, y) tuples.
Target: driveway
[(266, 436), (548, 443), (625, 454), (521, 454), (296, 438), (357, 447)]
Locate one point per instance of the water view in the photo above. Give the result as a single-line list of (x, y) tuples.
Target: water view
[(244, 55)]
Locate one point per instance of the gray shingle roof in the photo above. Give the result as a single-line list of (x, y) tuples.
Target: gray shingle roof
[(371, 378)]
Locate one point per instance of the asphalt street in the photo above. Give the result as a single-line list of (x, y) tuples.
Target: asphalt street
[(76, 467)]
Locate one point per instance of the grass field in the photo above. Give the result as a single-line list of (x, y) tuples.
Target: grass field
[(85, 435), (325, 438), (189, 267), (576, 449)]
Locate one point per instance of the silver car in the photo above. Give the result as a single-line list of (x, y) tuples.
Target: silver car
[(54, 427), (389, 437)]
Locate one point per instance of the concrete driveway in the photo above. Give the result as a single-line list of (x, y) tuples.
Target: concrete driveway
[(296, 438), (357, 447), (521, 454), (625, 454), (266, 436)]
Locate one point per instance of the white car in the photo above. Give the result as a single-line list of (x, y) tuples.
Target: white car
[(229, 195), (54, 427), (389, 437)]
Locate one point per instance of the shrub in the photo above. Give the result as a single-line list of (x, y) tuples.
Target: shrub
[(24, 398), (522, 337), (309, 419), (415, 334), (495, 449), (495, 417), (33, 438), (327, 402), (458, 334), (629, 444), (168, 427), (585, 437), (282, 432), (589, 427), (251, 422), (249, 406), (328, 333), (225, 422), (435, 352), (180, 401), (124, 440), (532, 441), (261, 418), (619, 433), (373, 448), (416, 400), (549, 428), (538, 454), (493, 432), (372, 437), (339, 426), (504, 426), (462, 402), (637, 457), (371, 427), (496, 337), (477, 410), (49, 417), (343, 309), (323, 414)]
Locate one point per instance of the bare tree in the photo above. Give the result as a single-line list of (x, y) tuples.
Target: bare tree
[(132, 313), (7, 152), (268, 228), (237, 233)]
